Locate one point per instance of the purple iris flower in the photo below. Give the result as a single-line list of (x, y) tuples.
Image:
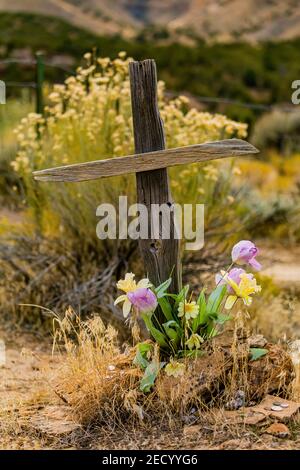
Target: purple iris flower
[(244, 252), (143, 299)]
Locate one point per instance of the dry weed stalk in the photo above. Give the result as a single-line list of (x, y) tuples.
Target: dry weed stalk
[(295, 356), (96, 379)]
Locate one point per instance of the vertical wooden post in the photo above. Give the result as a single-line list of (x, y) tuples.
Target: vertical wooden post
[(161, 257), (40, 71)]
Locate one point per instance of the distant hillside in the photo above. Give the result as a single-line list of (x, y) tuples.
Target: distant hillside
[(81, 13), (222, 20), (248, 73)]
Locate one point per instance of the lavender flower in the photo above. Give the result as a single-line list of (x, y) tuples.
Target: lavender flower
[(244, 252), (233, 274), (143, 299)]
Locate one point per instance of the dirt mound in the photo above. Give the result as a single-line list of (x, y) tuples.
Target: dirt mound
[(228, 373)]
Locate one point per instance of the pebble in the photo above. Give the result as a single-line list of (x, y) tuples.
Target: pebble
[(280, 405), (276, 408)]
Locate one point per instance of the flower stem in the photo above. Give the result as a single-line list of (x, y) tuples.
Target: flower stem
[(226, 272)]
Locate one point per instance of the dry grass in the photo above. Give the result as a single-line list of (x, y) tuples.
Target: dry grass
[(36, 271), (109, 413), (100, 383), (98, 379), (95, 376)]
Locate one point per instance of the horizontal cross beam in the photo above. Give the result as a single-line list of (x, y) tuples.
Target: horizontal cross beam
[(147, 161)]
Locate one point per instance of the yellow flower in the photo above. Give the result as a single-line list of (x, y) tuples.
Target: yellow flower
[(243, 290), (175, 369), (129, 285), (188, 309), (211, 172), (237, 171), (194, 341)]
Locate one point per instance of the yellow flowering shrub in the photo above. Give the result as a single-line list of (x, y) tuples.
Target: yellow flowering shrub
[(89, 118)]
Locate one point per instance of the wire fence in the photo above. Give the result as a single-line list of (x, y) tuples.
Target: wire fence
[(40, 63)]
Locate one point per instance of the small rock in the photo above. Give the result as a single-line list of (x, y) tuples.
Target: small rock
[(54, 420), (188, 420), (276, 408), (237, 401), (281, 404), (285, 412), (257, 341), (242, 416), (236, 444), (278, 430), (189, 431)]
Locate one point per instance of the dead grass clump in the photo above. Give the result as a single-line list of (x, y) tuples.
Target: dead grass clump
[(96, 379), (37, 271), (100, 383), (226, 375)]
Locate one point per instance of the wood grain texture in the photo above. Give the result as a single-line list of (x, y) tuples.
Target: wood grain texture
[(142, 162), (161, 256)]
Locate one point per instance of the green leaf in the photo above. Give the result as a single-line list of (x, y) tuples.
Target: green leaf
[(141, 357), (172, 296), (215, 299), (201, 318), (161, 289), (150, 375), (195, 353), (257, 353), (223, 318), (157, 335), (211, 331), (201, 301), (181, 296), (166, 308), (173, 330)]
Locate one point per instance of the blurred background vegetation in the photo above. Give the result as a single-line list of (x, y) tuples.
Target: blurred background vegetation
[(256, 74)]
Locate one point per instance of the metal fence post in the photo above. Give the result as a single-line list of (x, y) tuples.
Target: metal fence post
[(40, 73)]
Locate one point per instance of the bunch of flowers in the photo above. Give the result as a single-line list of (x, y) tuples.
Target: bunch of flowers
[(186, 323)]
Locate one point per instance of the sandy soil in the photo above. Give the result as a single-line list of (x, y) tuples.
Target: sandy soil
[(283, 265), (10, 216)]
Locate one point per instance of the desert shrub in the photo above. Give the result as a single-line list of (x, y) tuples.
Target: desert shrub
[(278, 129), (273, 203), (10, 115)]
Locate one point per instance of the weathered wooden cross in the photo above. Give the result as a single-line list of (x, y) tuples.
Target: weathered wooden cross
[(161, 256)]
